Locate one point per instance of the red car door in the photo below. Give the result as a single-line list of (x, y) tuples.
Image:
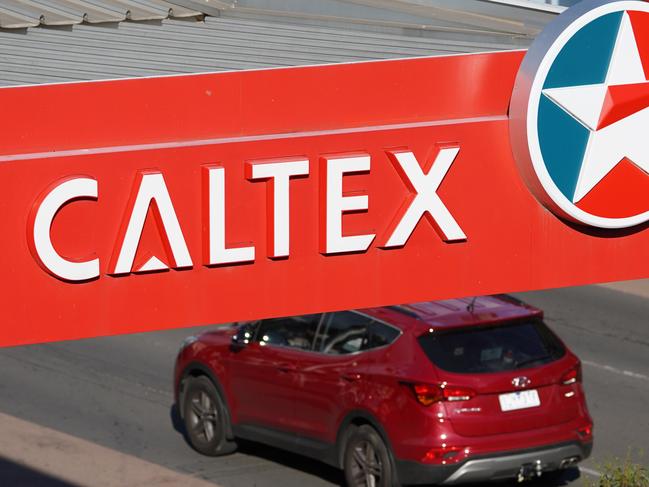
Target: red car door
[(330, 378), (264, 373)]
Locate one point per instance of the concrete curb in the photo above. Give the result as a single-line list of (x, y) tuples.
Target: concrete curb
[(80, 462), (637, 288)]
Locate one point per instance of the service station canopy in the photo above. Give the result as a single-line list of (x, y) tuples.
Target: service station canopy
[(276, 192)]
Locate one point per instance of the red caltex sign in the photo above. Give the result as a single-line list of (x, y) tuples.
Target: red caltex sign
[(127, 207)]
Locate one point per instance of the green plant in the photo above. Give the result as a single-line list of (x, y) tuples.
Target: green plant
[(627, 472)]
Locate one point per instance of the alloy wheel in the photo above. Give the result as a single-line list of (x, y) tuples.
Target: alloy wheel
[(203, 416), (367, 468)]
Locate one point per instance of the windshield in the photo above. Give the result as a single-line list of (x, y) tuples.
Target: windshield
[(492, 348)]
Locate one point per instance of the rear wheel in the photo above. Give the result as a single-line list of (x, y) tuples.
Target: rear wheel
[(205, 418), (367, 460)]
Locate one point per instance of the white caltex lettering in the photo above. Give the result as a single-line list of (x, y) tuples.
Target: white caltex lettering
[(336, 204), (151, 191), (214, 209), (40, 240), (424, 200), (278, 174)]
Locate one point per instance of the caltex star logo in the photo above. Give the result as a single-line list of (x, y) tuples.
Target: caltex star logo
[(584, 116)]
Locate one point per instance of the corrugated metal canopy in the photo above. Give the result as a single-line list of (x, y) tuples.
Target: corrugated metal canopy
[(30, 13), (497, 16), (146, 37)]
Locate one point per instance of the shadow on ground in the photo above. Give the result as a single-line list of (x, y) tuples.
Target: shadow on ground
[(15, 475), (335, 476), (557, 479), (292, 460), (275, 455)]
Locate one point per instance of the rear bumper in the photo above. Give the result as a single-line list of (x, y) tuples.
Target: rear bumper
[(494, 467)]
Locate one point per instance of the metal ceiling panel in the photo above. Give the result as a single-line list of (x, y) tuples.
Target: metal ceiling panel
[(89, 12), (130, 10), (31, 13), (9, 19), (173, 10), (529, 5), (468, 15), (39, 14), (96, 42)]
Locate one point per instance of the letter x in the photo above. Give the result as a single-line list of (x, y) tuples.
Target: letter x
[(424, 199)]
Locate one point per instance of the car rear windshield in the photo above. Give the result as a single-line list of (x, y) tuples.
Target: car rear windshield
[(492, 348)]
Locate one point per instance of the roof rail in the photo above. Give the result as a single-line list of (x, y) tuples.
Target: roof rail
[(510, 299), (403, 310)]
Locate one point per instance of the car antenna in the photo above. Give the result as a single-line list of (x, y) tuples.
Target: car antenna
[(471, 306)]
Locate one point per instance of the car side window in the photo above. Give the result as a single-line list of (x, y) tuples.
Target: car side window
[(342, 333), (294, 332), (381, 335), (246, 331)]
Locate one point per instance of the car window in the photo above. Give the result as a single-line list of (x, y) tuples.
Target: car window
[(381, 335), (246, 330), (295, 332), (342, 333), (492, 348), (350, 332)]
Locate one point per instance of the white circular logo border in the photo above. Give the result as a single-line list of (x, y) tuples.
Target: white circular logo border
[(525, 106)]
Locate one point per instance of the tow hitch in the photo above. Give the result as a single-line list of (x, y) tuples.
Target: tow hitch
[(529, 471)]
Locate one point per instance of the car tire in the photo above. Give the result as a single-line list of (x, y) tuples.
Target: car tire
[(206, 418), (367, 460)]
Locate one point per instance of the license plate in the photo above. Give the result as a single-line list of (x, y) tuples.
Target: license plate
[(519, 400)]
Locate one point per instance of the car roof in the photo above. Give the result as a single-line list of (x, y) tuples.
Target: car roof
[(455, 313)]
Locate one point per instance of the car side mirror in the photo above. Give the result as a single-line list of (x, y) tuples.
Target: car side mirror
[(243, 336)]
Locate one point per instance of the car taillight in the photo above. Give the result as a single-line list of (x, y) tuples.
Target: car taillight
[(445, 455), (457, 393), (428, 394), (572, 376), (586, 432)]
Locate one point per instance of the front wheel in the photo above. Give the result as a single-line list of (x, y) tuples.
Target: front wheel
[(367, 460), (206, 418)]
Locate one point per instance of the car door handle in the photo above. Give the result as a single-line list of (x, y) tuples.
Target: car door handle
[(286, 368), (351, 377)]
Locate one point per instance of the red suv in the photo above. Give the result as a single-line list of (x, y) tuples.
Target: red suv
[(440, 392)]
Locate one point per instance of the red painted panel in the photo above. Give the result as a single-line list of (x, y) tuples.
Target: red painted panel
[(622, 193), (622, 101), (640, 24), (276, 101), (177, 125)]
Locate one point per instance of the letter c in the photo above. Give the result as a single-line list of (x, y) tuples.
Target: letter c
[(40, 224)]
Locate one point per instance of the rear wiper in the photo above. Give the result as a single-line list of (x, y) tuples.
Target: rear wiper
[(531, 360)]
